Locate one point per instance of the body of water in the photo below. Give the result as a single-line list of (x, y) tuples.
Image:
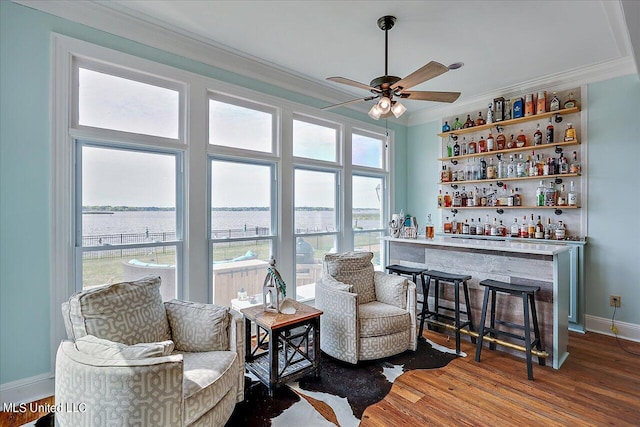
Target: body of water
[(141, 222)]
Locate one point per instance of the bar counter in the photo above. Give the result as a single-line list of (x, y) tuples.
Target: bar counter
[(539, 264)]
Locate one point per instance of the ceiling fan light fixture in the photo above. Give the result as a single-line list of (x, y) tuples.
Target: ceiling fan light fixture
[(398, 109), (375, 112), (384, 104)]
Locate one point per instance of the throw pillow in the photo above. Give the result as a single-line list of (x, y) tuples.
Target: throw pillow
[(198, 327), (354, 268), (105, 349)]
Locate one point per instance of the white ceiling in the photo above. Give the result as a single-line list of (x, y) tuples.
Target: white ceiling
[(502, 43)]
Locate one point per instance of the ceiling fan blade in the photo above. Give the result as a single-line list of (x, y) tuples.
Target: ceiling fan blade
[(350, 82), (353, 101), (427, 72), (431, 96)]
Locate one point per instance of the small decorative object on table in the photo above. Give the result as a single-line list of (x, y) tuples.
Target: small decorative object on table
[(411, 228), (274, 290), (396, 225)]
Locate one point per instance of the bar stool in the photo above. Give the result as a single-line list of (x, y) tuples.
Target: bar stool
[(414, 272), (527, 293), (455, 279)]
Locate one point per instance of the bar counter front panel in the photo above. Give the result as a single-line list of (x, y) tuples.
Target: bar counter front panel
[(547, 266)]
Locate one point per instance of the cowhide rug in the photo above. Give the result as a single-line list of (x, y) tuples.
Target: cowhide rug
[(347, 389)]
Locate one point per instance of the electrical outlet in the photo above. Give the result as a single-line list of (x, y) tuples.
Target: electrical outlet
[(615, 301)]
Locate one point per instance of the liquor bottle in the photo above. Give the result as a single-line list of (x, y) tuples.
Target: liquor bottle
[(517, 199), (570, 133), (518, 108), (531, 228), (511, 143), (555, 103), (482, 145), (473, 147), (524, 230), (445, 174), (483, 168), (468, 170), (511, 167), (501, 141), (449, 148), (550, 195), (521, 140), (480, 121), (521, 168), (511, 199), (457, 200), (440, 200), (562, 197), (494, 230), (549, 233), (553, 167), (507, 110), (490, 143), (491, 170), (575, 165), (572, 196), (533, 165), (537, 136), (456, 149), (571, 102), (429, 229), (529, 106), (564, 165), (541, 104), (487, 226), (477, 170), (540, 194), (539, 231), (465, 227), (468, 123), (502, 167), (457, 125), (502, 230), (464, 197), (490, 114), (446, 127), (472, 228), (479, 228), (503, 196), (448, 226), (549, 138), (540, 163), (561, 231), (447, 200), (470, 199), (463, 146), (515, 228)]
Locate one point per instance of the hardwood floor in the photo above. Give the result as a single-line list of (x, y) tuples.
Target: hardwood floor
[(598, 385)]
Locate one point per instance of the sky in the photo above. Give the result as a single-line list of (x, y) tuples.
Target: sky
[(123, 177)]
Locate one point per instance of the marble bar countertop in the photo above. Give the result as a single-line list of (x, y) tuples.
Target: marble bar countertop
[(487, 245)]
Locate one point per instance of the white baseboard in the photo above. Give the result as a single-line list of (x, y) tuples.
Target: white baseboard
[(601, 325), (28, 389)]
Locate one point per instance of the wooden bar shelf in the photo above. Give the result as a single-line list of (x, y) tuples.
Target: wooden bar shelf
[(509, 207), (522, 178), (510, 122), (510, 150)]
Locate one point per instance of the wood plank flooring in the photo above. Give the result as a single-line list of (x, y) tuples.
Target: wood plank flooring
[(598, 385)]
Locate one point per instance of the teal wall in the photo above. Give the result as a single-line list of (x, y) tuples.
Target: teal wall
[(613, 259), (25, 168), (612, 264)]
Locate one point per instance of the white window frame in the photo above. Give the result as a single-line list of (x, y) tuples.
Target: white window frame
[(324, 123), (178, 242)]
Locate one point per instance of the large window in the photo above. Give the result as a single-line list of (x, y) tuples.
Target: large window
[(314, 140), (127, 216), (242, 229)]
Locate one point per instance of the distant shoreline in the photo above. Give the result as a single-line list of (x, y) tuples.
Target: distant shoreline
[(112, 209)]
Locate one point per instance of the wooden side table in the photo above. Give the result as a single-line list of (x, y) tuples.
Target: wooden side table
[(293, 344)]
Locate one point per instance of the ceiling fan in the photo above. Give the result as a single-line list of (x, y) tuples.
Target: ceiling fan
[(385, 88)]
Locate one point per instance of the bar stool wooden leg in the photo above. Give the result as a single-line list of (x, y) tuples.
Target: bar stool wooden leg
[(456, 299), (483, 317), (469, 316), (536, 329), (492, 345), (527, 335)]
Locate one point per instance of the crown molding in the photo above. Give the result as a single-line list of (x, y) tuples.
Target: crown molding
[(553, 82)]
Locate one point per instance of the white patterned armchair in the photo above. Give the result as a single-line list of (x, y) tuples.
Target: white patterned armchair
[(367, 314), (133, 360)]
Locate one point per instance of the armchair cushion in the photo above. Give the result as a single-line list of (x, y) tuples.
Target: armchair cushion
[(379, 319), (353, 268), (198, 327), (334, 284), (105, 349), (128, 312), (391, 289)]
